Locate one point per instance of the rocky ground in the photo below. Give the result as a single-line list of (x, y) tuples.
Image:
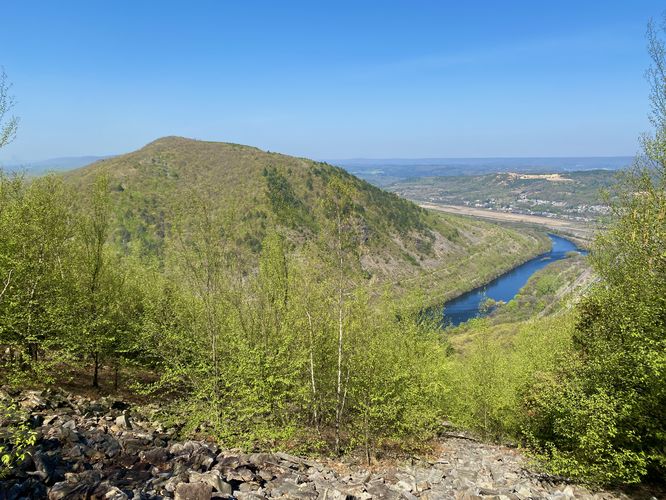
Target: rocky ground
[(105, 449)]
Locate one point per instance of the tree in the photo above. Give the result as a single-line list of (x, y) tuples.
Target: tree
[(8, 123), (36, 221), (607, 422), (101, 309), (341, 246)]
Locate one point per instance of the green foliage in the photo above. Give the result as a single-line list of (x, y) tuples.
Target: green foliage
[(490, 378), (260, 359), (149, 186), (606, 421), (16, 438), (588, 391), (36, 221), (8, 123)]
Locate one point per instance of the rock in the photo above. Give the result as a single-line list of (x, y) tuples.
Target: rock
[(89, 449), (214, 479), (242, 474), (193, 491), (109, 492), (32, 400), (120, 405), (406, 486), (155, 456), (31, 488), (241, 495), (380, 490), (523, 492), (123, 421), (46, 465)]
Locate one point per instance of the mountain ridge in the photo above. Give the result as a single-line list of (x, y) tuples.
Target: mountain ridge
[(150, 185)]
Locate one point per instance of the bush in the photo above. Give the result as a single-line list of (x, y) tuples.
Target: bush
[(16, 437)]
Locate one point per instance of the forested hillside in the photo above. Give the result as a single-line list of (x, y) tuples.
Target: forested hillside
[(170, 185), (173, 180)]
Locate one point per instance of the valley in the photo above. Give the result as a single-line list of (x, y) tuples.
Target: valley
[(214, 312), (193, 275)]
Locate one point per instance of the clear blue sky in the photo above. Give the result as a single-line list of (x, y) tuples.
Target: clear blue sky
[(330, 79)]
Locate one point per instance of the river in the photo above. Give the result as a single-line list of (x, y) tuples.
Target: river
[(506, 286)]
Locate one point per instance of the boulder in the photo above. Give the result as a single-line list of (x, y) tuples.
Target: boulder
[(194, 491), (212, 478)]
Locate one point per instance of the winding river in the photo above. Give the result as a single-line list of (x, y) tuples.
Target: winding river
[(506, 286)]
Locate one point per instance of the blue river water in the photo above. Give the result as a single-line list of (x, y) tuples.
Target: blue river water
[(506, 286)]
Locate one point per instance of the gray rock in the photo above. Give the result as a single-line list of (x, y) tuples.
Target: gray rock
[(155, 456), (193, 491), (212, 478), (123, 421)]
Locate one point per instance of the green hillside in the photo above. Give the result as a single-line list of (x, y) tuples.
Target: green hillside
[(174, 180)]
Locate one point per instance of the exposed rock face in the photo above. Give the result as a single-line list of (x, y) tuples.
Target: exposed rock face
[(101, 449)]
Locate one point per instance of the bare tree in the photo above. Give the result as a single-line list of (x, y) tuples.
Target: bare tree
[(8, 123)]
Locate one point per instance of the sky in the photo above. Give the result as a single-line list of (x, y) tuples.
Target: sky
[(329, 79)]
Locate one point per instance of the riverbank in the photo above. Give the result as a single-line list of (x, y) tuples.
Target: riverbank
[(505, 287), (490, 251)]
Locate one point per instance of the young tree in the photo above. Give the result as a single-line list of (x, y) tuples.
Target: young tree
[(36, 223), (8, 123), (341, 245), (100, 307)]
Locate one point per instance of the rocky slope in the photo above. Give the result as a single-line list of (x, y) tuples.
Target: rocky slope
[(107, 449)]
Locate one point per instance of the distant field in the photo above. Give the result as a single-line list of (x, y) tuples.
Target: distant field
[(580, 231), (573, 196), (385, 172)]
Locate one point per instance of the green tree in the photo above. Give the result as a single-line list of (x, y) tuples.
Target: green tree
[(8, 123), (102, 311), (36, 221), (606, 421)]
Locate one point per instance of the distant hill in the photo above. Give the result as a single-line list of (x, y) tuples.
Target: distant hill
[(402, 240), (383, 172), (53, 164), (575, 195)]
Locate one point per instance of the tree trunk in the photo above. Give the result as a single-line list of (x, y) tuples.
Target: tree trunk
[(95, 382), (338, 406), (315, 415)]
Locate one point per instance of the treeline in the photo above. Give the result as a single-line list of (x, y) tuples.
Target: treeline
[(293, 348), (585, 388)]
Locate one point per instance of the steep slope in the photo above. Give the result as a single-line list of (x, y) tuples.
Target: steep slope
[(258, 190)]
